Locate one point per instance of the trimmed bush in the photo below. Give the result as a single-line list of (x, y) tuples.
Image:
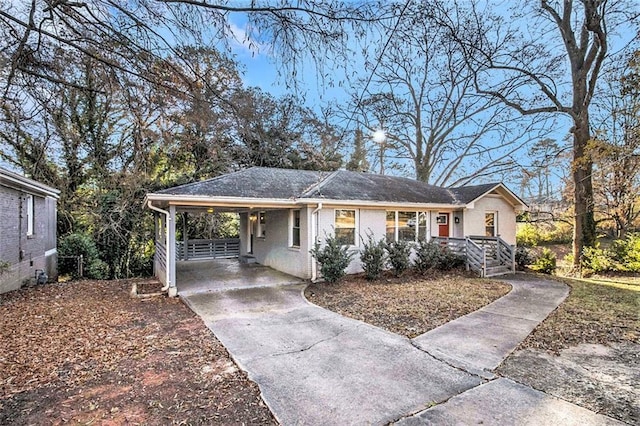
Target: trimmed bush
[(427, 256), (333, 258), (373, 257), (399, 252), (524, 257), (449, 259), (545, 263)]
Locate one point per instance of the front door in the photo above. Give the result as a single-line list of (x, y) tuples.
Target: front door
[(443, 224)]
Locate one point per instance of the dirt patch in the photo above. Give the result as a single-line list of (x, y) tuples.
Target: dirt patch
[(85, 352), (409, 305), (601, 378), (587, 351)]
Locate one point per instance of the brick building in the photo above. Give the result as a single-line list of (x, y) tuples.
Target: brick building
[(27, 231)]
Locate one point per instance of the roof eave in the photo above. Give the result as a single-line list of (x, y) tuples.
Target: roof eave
[(201, 200), (22, 183), (369, 203)]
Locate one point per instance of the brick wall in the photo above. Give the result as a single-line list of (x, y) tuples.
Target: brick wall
[(26, 253)]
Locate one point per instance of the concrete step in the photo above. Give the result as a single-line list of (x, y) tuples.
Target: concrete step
[(494, 271), (247, 259)]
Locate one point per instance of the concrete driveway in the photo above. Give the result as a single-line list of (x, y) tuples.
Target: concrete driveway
[(198, 276), (316, 367)]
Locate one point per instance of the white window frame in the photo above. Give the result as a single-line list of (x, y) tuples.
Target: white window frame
[(416, 219), (495, 223), (356, 234), (292, 227), (30, 214)]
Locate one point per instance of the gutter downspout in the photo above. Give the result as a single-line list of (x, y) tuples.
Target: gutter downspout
[(314, 235), (166, 242)]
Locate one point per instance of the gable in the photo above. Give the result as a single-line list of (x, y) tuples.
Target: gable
[(468, 195)]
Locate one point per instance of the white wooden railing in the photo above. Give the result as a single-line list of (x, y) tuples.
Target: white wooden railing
[(476, 257)]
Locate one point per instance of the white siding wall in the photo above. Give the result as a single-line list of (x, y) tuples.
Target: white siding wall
[(368, 221), (273, 250), (457, 229), (474, 218)]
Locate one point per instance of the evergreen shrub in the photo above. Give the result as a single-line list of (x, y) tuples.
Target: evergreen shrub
[(373, 257), (333, 258)]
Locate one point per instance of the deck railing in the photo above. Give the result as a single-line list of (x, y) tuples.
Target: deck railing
[(160, 261), (476, 257), (484, 255), (208, 249)]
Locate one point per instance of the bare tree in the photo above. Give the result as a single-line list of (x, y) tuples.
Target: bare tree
[(141, 32), (423, 94), (615, 150), (543, 60)]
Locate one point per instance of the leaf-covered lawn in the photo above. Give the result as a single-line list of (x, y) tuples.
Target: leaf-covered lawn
[(409, 305), (85, 352), (592, 313)]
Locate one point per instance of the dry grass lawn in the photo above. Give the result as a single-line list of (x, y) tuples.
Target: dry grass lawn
[(594, 312), (409, 305)]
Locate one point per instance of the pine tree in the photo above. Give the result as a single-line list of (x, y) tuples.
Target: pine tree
[(358, 161)]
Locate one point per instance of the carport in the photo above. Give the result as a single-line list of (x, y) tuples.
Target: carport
[(196, 276), (190, 265)]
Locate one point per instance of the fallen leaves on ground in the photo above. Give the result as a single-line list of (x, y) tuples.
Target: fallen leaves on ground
[(86, 352), (409, 305), (592, 313)]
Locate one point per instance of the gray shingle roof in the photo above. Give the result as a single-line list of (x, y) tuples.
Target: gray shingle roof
[(273, 183), (466, 194), (346, 185), (256, 182)]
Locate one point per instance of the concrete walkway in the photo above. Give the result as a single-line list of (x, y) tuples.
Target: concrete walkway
[(316, 367), (480, 341), (504, 402)]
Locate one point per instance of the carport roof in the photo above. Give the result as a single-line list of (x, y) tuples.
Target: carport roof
[(256, 182), (263, 183)]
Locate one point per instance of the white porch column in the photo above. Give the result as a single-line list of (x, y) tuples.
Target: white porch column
[(171, 251)]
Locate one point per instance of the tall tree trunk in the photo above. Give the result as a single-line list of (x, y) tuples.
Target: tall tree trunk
[(584, 230)]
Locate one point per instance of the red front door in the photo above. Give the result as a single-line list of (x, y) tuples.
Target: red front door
[(443, 224)]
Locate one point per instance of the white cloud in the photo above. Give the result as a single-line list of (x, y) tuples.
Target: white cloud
[(240, 38)]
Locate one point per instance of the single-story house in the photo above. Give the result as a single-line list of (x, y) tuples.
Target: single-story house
[(27, 231), (283, 213)]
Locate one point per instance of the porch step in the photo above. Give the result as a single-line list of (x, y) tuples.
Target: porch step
[(247, 259), (493, 271)]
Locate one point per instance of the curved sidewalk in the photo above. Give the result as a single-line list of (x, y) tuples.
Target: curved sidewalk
[(316, 367), (478, 342)]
